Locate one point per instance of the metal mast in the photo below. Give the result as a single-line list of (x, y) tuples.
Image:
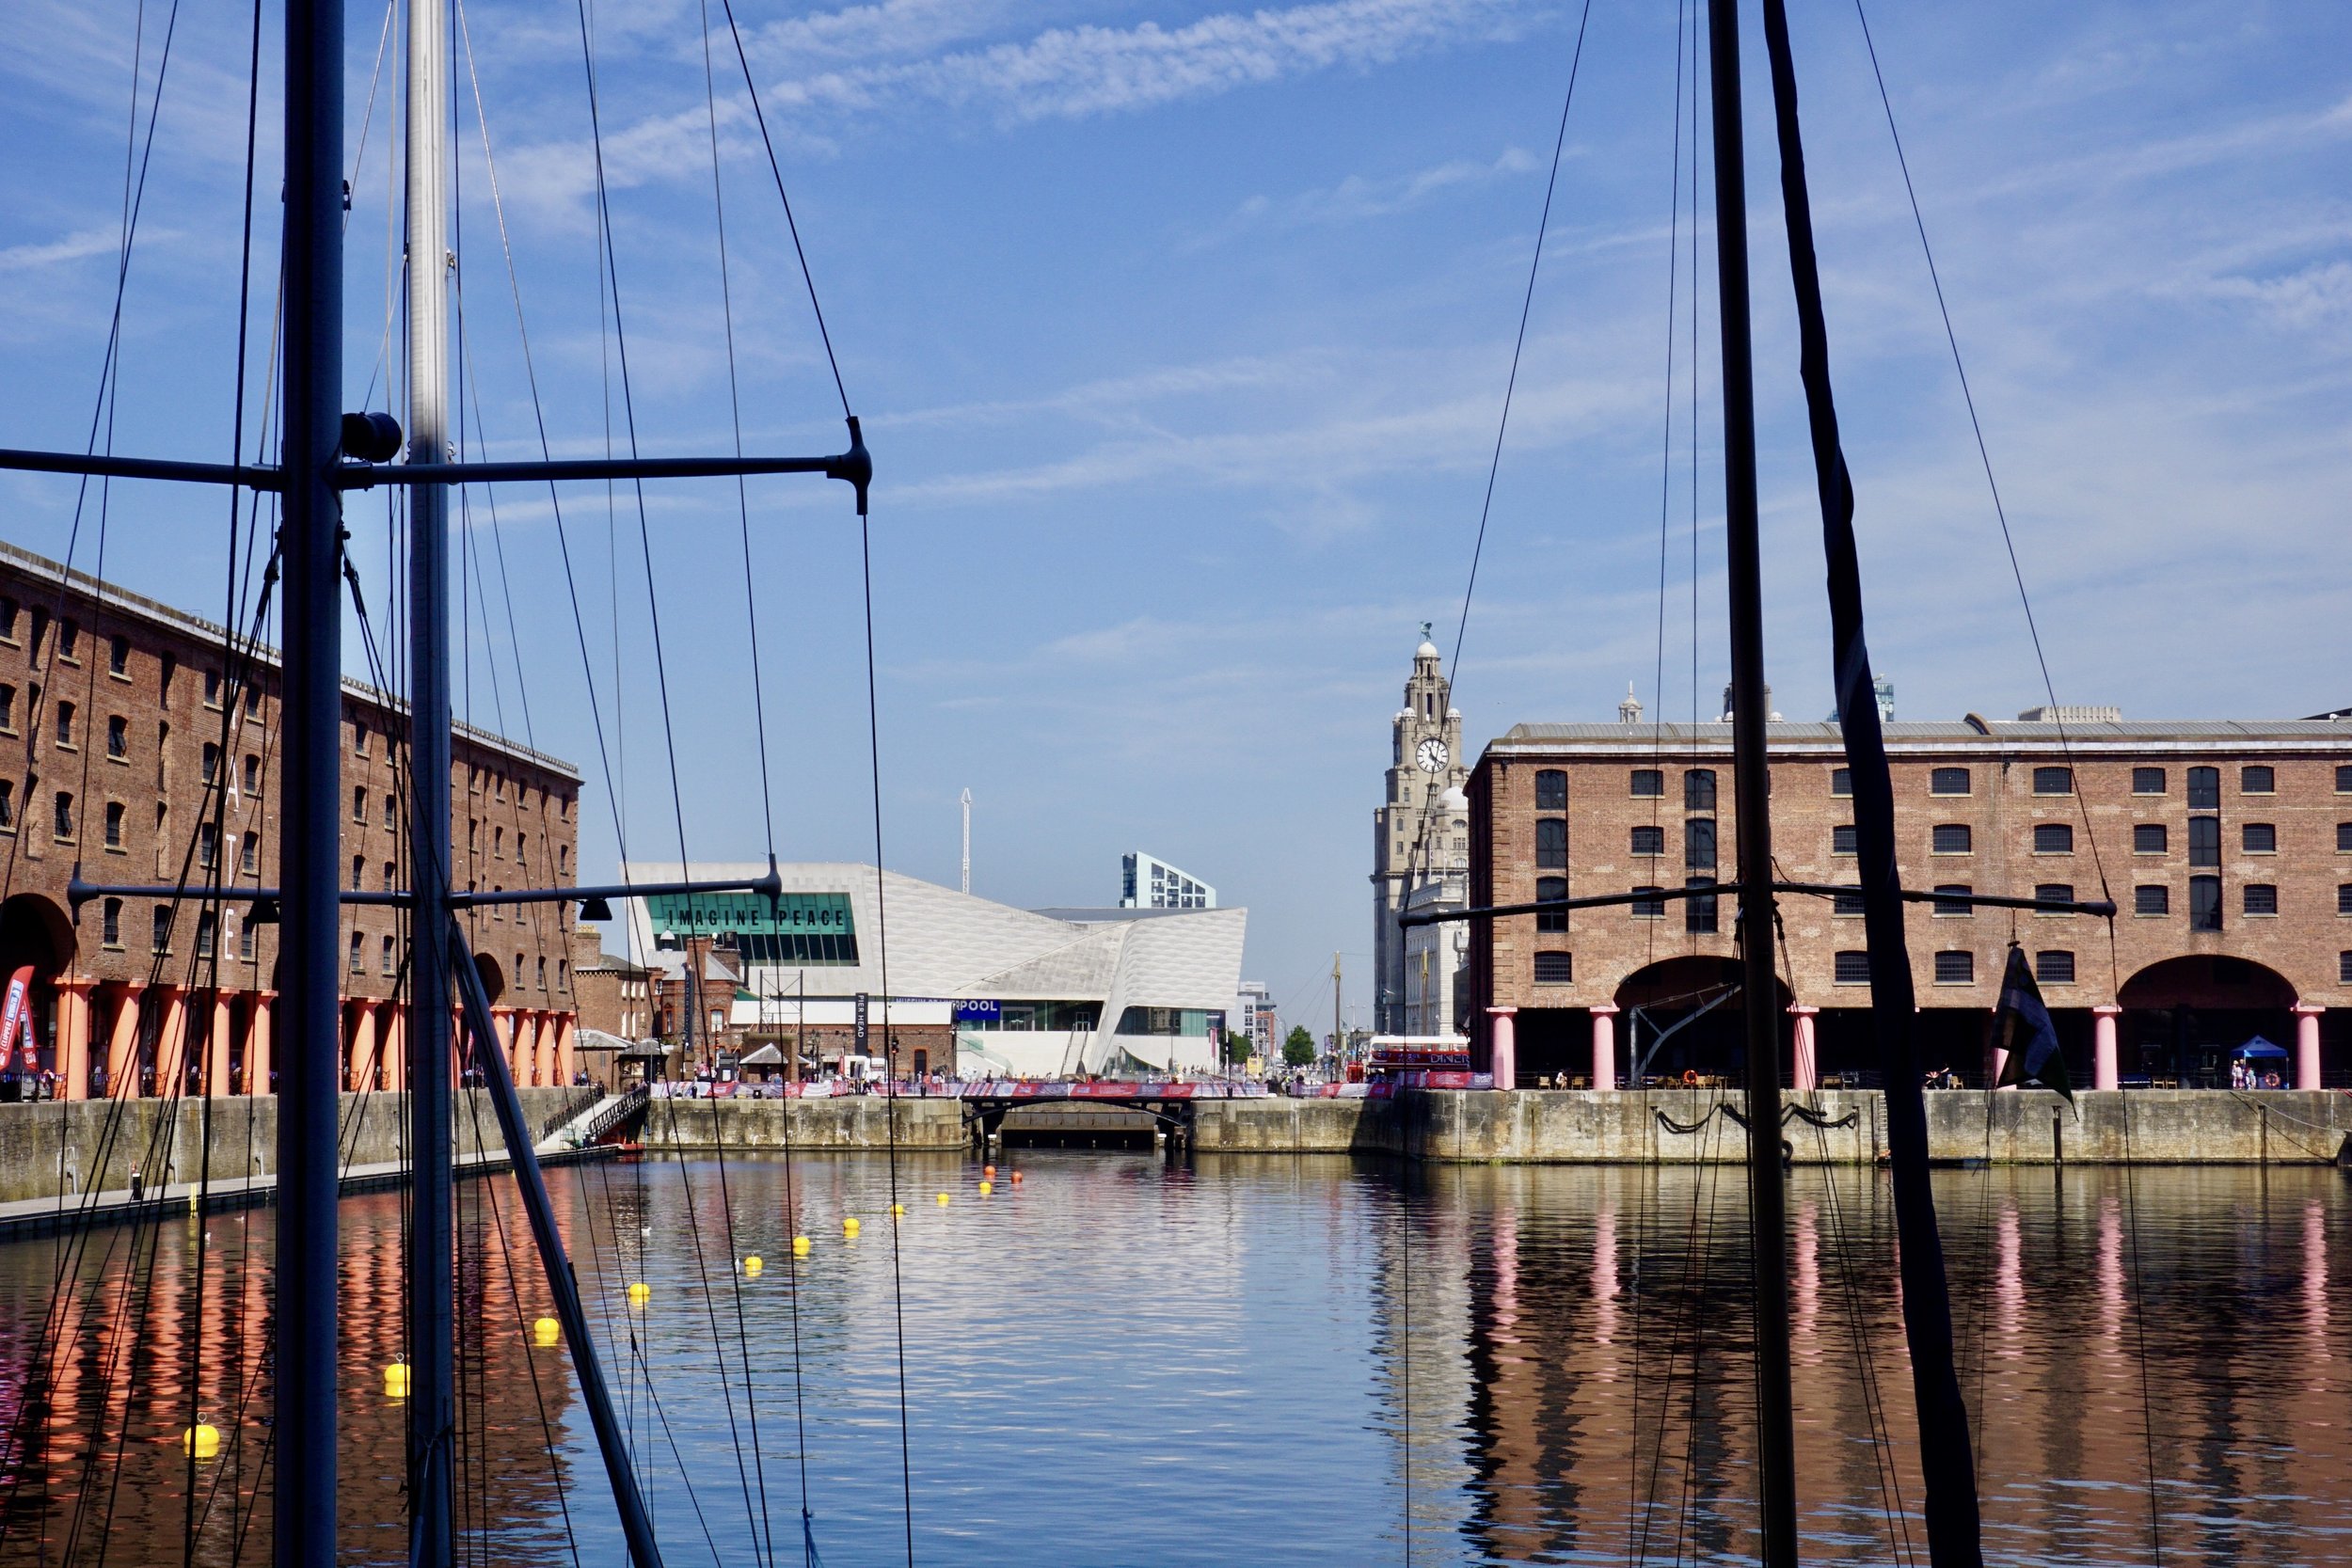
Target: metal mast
[(1752, 804), (967, 841), (432, 1407), (310, 787)]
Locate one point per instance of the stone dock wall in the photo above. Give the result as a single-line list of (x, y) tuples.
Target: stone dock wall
[(62, 1147), (1572, 1126)]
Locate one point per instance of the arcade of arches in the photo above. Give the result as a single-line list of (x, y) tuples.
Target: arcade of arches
[(98, 1038), (2177, 1023)]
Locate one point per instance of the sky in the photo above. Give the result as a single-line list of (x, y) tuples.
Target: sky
[(1180, 334)]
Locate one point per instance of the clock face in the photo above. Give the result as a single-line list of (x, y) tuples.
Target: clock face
[(1430, 755)]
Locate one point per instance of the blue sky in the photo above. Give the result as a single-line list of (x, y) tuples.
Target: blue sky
[(1180, 335)]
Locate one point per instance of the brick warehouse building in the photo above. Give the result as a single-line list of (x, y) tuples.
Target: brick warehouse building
[(2227, 848), (112, 716)]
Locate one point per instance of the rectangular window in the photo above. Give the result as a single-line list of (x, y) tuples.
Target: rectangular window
[(2257, 781), (358, 800), (1955, 969), (7, 619), (390, 962), (391, 813), (359, 872), (391, 874), (1649, 841), (244, 939), (2261, 898), (204, 934), (252, 775), (69, 639), (562, 975), (2054, 893), (162, 929), (1698, 789), (1845, 902), (2053, 968), (2343, 778), (114, 824), (1551, 969), (356, 949), (118, 656), (2148, 838), (65, 817), (1551, 843), (1949, 781), (207, 845), (2344, 968), (1950, 838), (2054, 781), (2146, 780), (2052, 838), (2151, 898), (1649, 784), (1698, 913), (251, 858), (2344, 898), (2205, 789), (1854, 968), (1551, 790), (1648, 909), (1841, 781), (2204, 841), (110, 923), (252, 700), (358, 738), (210, 761), (1547, 889), (7, 804), (212, 689), (1953, 908), (118, 739), (1844, 839), (2343, 838), (1698, 844), (8, 708), (65, 725), (2258, 838), (2205, 903), (169, 667)]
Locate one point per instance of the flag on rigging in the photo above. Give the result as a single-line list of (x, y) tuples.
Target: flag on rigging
[(2021, 1028)]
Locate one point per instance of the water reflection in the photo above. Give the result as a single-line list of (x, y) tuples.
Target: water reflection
[(1121, 1360)]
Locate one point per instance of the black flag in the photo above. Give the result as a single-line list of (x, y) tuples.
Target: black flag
[(2022, 1027)]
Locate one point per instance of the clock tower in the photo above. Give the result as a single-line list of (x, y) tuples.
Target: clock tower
[(1420, 839)]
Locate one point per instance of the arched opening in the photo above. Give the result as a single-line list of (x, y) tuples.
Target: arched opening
[(34, 932), (1689, 1015), (493, 977), (2182, 1018)]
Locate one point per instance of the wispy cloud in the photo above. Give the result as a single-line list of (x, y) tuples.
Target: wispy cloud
[(73, 248), (1361, 197), (1076, 72)]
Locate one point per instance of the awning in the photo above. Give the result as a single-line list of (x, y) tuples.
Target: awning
[(2259, 1046), (767, 1055)]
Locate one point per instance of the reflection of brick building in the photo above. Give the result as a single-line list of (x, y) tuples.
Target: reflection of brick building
[(2228, 847), (131, 752)]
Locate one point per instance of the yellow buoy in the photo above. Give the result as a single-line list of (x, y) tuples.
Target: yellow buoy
[(397, 1381), (848, 1224), (754, 1264), (202, 1440), (942, 1201), (547, 1331), (639, 1293), (897, 1210), (987, 1187), (800, 1247)]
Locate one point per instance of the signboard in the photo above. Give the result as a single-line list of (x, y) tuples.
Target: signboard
[(792, 929), (972, 1010), (861, 1026)]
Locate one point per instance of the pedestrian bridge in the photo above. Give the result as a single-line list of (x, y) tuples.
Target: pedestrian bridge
[(1082, 1107)]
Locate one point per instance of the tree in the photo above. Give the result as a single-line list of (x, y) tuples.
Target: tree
[(1298, 1047), (1237, 1048)]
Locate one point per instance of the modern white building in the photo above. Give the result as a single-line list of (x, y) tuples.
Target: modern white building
[(1020, 993), (1148, 882)]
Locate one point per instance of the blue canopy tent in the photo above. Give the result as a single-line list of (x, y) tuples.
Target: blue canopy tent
[(2260, 1047)]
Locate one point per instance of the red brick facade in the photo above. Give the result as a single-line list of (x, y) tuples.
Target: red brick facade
[(2106, 811), (133, 753)]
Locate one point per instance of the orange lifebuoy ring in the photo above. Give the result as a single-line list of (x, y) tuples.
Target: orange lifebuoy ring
[(1690, 1078)]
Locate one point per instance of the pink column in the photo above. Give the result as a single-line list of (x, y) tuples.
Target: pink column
[(2103, 1068), (1605, 1046), (217, 1048), (1503, 1053), (542, 1048), (363, 1063), (396, 1047), (74, 1019), (122, 1044), (1996, 1059), (2307, 1045), (1805, 1070), (257, 1044), (171, 1044), (566, 1061)]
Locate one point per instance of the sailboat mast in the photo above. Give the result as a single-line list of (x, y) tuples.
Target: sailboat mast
[(432, 1410), (310, 788), (1752, 803)]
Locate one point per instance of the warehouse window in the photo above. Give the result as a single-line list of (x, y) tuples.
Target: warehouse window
[(1854, 968), (1955, 969), (2344, 898), (2054, 781), (1949, 781), (1649, 909), (2054, 893), (2151, 898), (1698, 844), (2146, 780), (1846, 901), (1844, 839), (2052, 838), (1950, 838), (2261, 898), (1556, 969), (2204, 841), (1649, 783), (1698, 913), (2205, 903), (110, 926), (1698, 789), (2205, 789), (1551, 790), (2258, 781), (1951, 908), (1649, 841), (2148, 838), (2258, 838), (2053, 968), (1841, 781), (1547, 889), (1551, 843)]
